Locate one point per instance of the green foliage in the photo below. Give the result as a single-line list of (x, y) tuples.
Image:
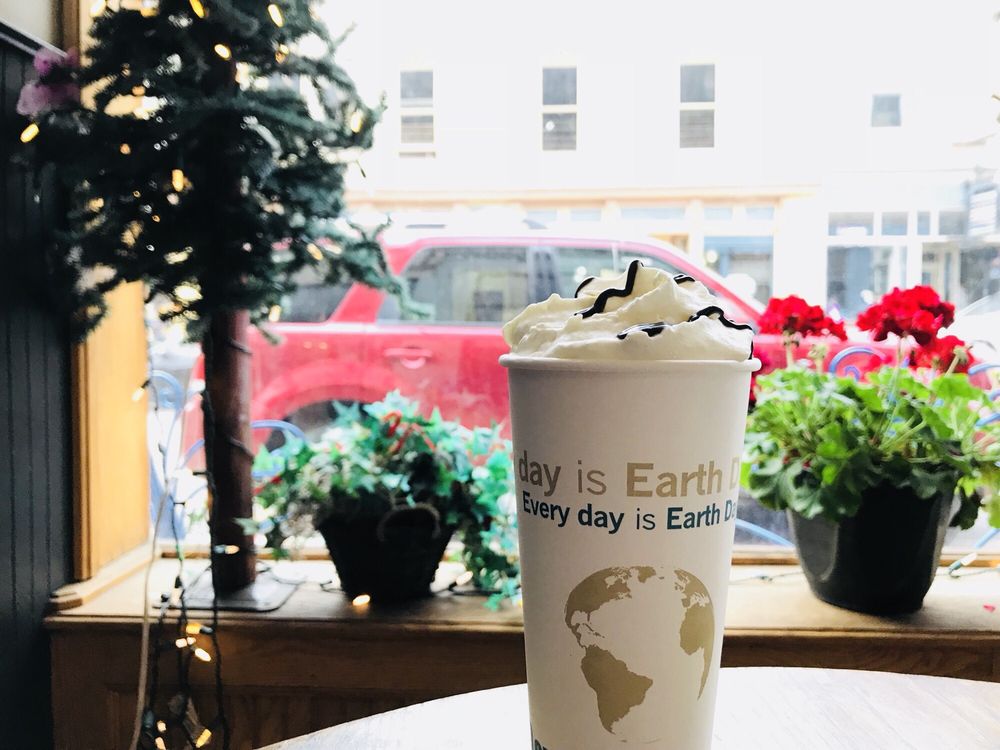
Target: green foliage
[(816, 442), (387, 455), (261, 141)]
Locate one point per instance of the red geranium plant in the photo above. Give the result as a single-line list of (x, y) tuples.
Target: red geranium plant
[(795, 319), (918, 313)]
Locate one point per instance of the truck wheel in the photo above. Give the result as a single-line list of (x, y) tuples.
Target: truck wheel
[(312, 419)]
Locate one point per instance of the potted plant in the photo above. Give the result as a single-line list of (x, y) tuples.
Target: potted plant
[(868, 468), (388, 488)]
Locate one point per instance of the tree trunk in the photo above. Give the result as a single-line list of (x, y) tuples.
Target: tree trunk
[(228, 452)]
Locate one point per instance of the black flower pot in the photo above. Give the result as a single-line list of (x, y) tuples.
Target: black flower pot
[(880, 562), (392, 558)]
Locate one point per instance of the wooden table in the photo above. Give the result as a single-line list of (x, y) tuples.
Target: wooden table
[(774, 708)]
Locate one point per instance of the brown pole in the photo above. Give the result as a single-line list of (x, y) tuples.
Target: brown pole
[(228, 447)]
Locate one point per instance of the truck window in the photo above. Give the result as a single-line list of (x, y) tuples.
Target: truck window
[(575, 264), (475, 284), (313, 301)]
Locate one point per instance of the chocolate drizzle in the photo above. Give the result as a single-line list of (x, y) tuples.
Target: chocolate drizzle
[(582, 285), (650, 329), (715, 310), (602, 299), (683, 278)]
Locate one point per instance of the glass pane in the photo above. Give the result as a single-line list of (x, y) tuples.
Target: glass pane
[(719, 213), (851, 224), (416, 88), (951, 222), (559, 132), (895, 222), (885, 111), (574, 264), (697, 83), (760, 213), (585, 214), (465, 284), (655, 213), (313, 301), (923, 222), (417, 129), (744, 262), (559, 86), (858, 276), (697, 128)]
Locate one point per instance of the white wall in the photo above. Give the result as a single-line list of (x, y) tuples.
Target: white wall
[(39, 18)]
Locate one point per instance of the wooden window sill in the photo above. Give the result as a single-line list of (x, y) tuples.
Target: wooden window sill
[(319, 661)]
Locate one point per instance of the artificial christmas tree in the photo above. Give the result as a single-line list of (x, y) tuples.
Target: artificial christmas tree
[(208, 163)]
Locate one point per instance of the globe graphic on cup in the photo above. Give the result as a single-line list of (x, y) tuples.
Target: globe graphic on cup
[(632, 677)]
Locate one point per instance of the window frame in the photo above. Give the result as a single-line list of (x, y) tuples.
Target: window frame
[(418, 107), (563, 109), (702, 106)]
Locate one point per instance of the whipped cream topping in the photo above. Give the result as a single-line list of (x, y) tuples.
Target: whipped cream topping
[(643, 314)]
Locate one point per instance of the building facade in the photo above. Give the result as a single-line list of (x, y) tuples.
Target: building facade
[(831, 151)]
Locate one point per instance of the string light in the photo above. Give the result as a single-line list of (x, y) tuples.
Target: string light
[(202, 654), (155, 218), (161, 726), (198, 8), (464, 578), (29, 133), (125, 149), (185, 642), (160, 744), (274, 314), (196, 628), (282, 54), (138, 91), (357, 120), (204, 738), (275, 13), (137, 393), (361, 600), (314, 251), (177, 179), (225, 549), (223, 51)]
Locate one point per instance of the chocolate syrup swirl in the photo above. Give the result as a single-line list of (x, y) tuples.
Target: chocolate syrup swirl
[(715, 310), (602, 299), (683, 278), (650, 329), (582, 285)]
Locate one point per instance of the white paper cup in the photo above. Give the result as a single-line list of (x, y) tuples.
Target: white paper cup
[(627, 478)]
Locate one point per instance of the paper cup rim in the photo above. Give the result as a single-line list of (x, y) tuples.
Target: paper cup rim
[(557, 364)]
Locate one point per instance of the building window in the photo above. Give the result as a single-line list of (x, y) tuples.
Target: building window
[(559, 109), (895, 223), (416, 122), (746, 262), (718, 213), (951, 222), (652, 213), (851, 224), (923, 222), (585, 214), (858, 275), (885, 111), (697, 106), (760, 213)]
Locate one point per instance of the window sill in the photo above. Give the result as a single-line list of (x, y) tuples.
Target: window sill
[(343, 662)]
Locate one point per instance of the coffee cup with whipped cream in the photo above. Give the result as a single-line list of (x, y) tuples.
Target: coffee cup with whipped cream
[(628, 408)]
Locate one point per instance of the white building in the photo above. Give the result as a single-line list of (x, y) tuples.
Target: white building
[(824, 149)]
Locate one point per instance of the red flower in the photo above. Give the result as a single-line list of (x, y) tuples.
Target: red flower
[(940, 352), (918, 312), (793, 316)]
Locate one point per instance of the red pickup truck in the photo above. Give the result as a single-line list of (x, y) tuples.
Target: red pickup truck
[(354, 344)]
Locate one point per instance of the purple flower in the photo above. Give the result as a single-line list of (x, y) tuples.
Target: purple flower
[(37, 98), (47, 60)]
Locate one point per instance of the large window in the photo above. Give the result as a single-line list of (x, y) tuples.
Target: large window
[(885, 111), (697, 112), (559, 109)]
